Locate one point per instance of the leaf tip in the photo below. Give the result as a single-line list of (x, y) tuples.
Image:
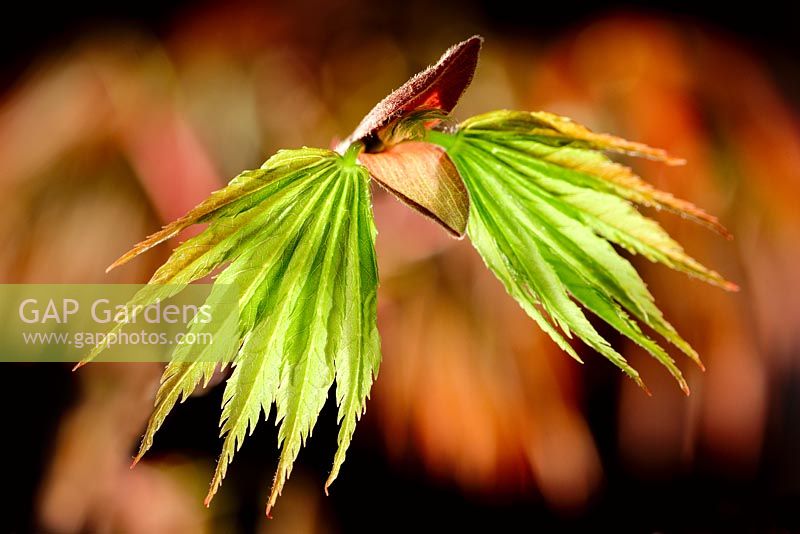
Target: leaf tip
[(730, 286), (641, 384), (273, 496), (125, 258), (673, 161), (471, 45), (330, 480)]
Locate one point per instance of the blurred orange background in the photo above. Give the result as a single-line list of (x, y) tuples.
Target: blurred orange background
[(124, 120)]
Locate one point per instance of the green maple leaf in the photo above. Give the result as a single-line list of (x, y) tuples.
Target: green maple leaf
[(546, 206), (541, 202), (297, 238)]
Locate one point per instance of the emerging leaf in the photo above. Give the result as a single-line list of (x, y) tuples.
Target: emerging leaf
[(545, 207), (422, 176), (297, 239), (438, 87)]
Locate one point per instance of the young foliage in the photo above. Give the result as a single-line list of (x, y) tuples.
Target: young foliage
[(534, 192), (546, 207), (439, 87), (296, 238)]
